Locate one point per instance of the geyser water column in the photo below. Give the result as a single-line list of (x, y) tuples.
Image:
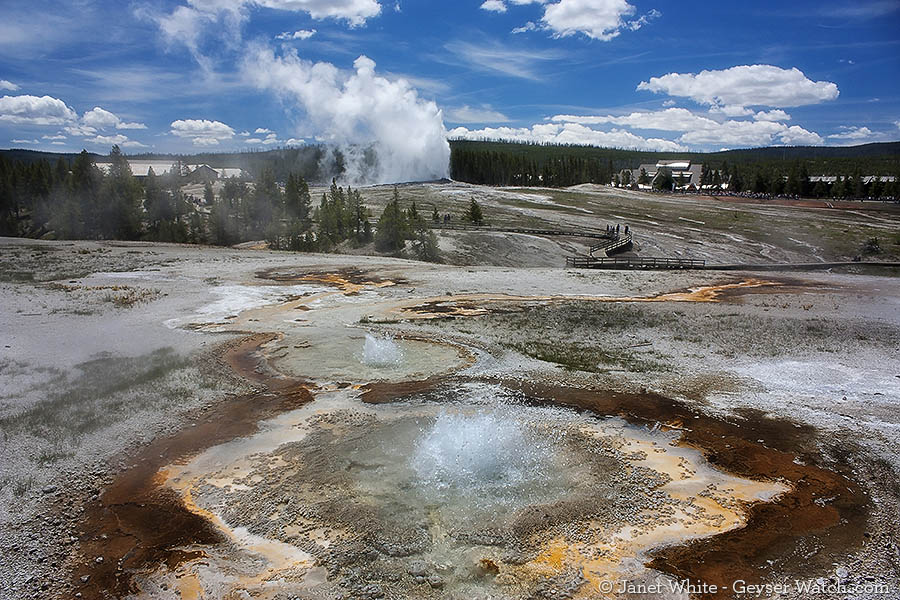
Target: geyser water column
[(381, 351), (480, 463)]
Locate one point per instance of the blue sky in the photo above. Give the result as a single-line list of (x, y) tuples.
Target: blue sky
[(199, 75)]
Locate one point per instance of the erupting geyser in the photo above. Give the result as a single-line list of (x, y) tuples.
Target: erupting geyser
[(489, 460), (381, 351), (464, 491)]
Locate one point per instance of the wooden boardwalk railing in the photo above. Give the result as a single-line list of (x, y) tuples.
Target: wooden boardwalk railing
[(600, 235), (612, 245), (589, 262)]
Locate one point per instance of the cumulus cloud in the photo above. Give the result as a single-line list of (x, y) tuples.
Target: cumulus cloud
[(201, 131), (772, 115), (797, 136), (79, 130), (99, 118), (270, 140), (854, 134), (115, 140), (35, 110), (8, 85), (302, 34), (359, 110), (470, 114), (568, 133), (597, 19), (731, 110), (494, 6), (745, 85), (699, 129), (355, 12), (53, 137)]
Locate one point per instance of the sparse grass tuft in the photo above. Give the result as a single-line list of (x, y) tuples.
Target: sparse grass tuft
[(74, 408)]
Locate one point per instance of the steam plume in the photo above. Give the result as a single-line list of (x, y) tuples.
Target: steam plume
[(360, 113)]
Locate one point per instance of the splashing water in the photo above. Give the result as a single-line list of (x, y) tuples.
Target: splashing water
[(381, 351), (489, 451)]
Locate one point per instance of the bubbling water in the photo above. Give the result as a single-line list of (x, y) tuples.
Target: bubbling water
[(381, 351), (488, 452)]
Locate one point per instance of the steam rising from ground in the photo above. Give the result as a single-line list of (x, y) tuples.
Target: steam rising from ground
[(384, 130)]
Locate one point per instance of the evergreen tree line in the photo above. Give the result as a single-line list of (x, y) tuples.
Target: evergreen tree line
[(756, 171), (81, 201), (499, 167), (791, 179), (74, 202)]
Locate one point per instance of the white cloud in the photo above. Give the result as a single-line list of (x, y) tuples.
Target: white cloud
[(302, 34), (529, 26), (25, 141), (772, 115), (79, 130), (470, 114), (643, 20), (186, 23), (745, 85), (99, 118), (568, 133), (856, 134), (115, 140), (295, 141), (797, 136), (897, 123), (270, 140), (8, 85), (53, 137), (494, 6), (34, 110), (669, 103), (262, 130), (597, 19), (731, 110), (357, 110), (201, 131), (355, 12), (698, 129), (497, 58)]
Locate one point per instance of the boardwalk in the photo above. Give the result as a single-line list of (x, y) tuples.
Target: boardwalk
[(584, 233), (589, 262)]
